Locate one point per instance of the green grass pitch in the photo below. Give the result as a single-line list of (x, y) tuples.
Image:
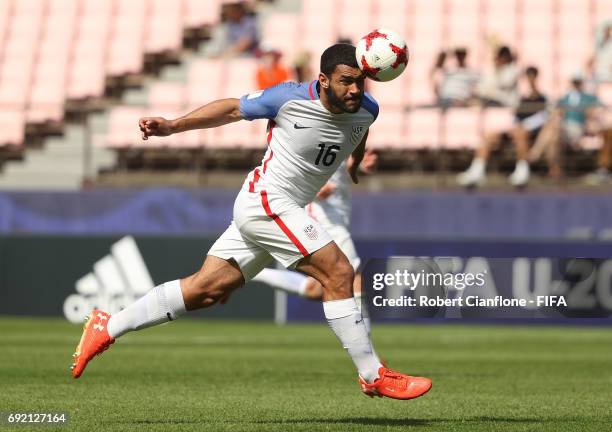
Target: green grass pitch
[(197, 375)]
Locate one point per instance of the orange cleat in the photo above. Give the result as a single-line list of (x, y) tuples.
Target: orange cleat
[(395, 385), (94, 341)]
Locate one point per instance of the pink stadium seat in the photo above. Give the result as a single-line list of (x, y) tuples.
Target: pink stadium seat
[(461, 128), (167, 95), (63, 7), (394, 15), (604, 92), (198, 13), (501, 20), (126, 56), (420, 91), (123, 126), (387, 130), (98, 8), (12, 127), (233, 135), (258, 137), (392, 93), (354, 22), (165, 27), (497, 119), (281, 31), (240, 78), (604, 9), (424, 128), (86, 79), (164, 34), (319, 26), (204, 81)]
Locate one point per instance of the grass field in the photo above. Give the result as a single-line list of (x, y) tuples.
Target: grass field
[(243, 376)]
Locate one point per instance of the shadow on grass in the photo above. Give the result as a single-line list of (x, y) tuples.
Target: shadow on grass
[(368, 421)]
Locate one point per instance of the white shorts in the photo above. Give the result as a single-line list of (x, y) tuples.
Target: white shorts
[(336, 223), (268, 226)]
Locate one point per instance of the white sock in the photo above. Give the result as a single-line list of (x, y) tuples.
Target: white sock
[(163, 303), (478, 166), (347, 323), (285, 280), (363, 311)]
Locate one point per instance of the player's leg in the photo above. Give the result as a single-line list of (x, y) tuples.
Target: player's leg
[(288, 281), (332, 269), (224, 269)]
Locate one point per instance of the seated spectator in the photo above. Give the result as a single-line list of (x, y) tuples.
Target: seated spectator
[(499, 88), (236, 35), (270, 70), (567, 124), (301, 67), (601, 63), (602, 174), (529, 117), (454, 86)]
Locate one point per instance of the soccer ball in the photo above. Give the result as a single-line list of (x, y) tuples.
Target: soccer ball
[(382, 55)]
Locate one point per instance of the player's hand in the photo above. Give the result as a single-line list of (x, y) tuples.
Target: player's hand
[(369, 162), (327, 189), (155, 126)]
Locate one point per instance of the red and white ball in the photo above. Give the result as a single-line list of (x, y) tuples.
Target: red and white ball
[(382, 55)]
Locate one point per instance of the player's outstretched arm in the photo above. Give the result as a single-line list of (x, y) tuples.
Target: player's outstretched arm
[(357, 157), (217, 113)]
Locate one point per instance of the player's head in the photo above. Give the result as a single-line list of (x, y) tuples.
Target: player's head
[(341, 79)]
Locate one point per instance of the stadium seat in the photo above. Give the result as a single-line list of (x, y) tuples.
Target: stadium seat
[(123, 126), (164, 27), (394, 15), (352, 21), (497, 119), (240, 78), (424, 128), (501, 21), (204, 81), (387, 130), (461, 128), (281, 32), (12, 127), (167, 96), (198, 13)]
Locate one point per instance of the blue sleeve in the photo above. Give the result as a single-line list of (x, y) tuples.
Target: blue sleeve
[(370, 105), (266, 103)]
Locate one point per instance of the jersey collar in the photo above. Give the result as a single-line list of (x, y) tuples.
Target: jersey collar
[(312, 90)]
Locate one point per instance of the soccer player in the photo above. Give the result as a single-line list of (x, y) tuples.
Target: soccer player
[(313, 127), (332, 209)]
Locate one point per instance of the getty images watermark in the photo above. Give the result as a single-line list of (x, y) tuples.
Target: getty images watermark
[(477, 287)]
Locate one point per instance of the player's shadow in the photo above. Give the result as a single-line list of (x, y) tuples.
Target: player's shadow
[(377, 421)]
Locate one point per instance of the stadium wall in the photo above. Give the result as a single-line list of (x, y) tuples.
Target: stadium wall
[(68, 275), (375, 215)]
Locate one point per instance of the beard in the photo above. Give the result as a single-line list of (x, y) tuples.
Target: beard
[(340, 103)]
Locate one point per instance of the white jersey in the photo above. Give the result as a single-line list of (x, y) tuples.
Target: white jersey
[(306, 142)]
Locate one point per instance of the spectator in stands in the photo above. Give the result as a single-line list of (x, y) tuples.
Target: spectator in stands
[(529, 118), (237, 34), (601, 63), (572, 118), (453, 86), (499, 88), (603, 173), (301, 67), (270, 70)]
